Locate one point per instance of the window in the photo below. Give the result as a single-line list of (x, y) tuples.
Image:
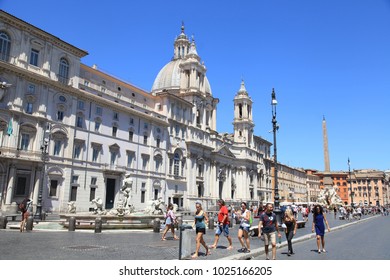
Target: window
[(53, 188), (25, 142), (31, 88), (145, 161), (75, 179), (176, 164), (34, 54), (131, 121), (95, 154), (177, 130), (97, 126), (99, 110), (130, 159), (29, 108), (158, 142), (114, 131), (145, 139), (5, 46), (62, 98), (145, 126), (158, 163), (142, 196), (63, 74), (80, 120), (116, 116), (113, 157), (92, 193), (80, 105), (131, 134), (86, 83), (60, 116), (73, 193), (21, 186), (155, 194), (77, 151), (93, 181), (57, 147)]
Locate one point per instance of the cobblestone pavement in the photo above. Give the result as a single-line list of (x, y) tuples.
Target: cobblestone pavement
[(44, 243)]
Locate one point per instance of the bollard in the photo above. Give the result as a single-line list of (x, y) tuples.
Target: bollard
[(185, 242), (179, 223), (72, 224), (211, 223), (3, 222), (98, 225), (43, 215), (156, 225), (29, 223)]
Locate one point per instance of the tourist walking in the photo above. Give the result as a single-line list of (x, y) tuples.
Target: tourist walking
[(200, 221), (24, 208), (268, 225), (291, 229), (243, 231), (170, 220), (223, 225), (319, 222)]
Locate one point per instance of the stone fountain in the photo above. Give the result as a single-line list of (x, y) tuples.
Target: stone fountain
[(124, 216)]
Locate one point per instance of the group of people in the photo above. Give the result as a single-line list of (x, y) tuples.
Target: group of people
[(268, 227)]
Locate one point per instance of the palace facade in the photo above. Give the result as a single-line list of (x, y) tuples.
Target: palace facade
[(71, 132)]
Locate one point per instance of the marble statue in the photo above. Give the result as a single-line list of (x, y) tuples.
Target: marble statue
[(98, 206), (329, 197), (121, 210), (126, 189), (71, 207), (155, 207)]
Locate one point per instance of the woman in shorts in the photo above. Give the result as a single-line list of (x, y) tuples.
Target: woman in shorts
[(200, 221), (243, 231)]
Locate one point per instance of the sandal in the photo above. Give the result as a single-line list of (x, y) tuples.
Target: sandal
[(212, 247), (194, 256)]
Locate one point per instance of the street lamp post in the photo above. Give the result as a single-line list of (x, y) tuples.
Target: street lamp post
[(368, 190), (44, 147), (350, 181), (275, 127)]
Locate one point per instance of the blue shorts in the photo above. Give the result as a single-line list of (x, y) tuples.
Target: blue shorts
[(224, 229), (244, 228)]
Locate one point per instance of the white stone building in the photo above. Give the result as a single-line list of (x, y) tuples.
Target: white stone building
[(74, 131)]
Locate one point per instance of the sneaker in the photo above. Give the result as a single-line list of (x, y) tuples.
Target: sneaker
[(319, 251), (267, 258), (242, 250), (323, 251)]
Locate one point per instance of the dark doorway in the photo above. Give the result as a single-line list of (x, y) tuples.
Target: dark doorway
[(110, 193)]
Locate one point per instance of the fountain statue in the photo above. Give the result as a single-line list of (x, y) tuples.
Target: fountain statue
[(329, 197), (126, 189), (155, 207), (98, 206), (71, 207)]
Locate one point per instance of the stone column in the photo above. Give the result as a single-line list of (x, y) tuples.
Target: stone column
[(11, 181)]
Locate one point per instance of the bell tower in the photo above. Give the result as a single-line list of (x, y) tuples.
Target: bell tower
[(243, 120)]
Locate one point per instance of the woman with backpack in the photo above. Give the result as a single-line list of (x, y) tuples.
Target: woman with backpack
[(170, 220)]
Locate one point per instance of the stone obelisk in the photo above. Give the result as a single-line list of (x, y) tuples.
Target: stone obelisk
[(328, 182)]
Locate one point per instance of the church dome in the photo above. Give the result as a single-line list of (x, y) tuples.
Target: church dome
[(171, 74), (169, 77)]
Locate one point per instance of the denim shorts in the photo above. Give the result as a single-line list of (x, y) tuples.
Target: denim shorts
[(244, 228), (224, 229)]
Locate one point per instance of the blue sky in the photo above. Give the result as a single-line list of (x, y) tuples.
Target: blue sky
[(324, 58)]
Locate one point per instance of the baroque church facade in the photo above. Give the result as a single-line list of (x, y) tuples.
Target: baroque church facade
[(70, 132)]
